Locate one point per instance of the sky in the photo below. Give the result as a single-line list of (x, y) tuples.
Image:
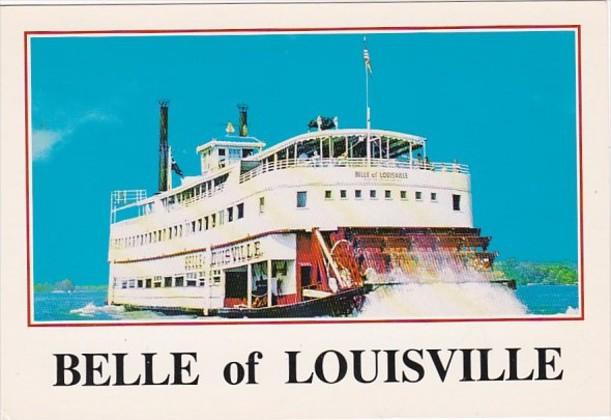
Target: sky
[(502, 102)]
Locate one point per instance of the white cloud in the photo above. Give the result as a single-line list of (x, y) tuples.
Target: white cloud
[(43, 141)]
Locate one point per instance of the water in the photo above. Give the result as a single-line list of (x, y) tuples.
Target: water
[(549, 299), (410, 300)]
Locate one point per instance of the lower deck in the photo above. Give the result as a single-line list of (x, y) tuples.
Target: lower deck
[(280, 270)]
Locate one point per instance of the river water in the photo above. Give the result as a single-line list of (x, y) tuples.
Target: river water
[(403, 301)]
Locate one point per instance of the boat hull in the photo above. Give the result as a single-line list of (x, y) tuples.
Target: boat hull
[(341, 304)]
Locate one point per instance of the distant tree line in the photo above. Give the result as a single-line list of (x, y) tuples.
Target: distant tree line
[(541, 273), (65, 285)]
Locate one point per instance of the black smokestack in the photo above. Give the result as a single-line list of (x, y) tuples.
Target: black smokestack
[(163, 146), (243, 120)]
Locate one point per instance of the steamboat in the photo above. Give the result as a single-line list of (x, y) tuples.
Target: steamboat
[(306, 227)]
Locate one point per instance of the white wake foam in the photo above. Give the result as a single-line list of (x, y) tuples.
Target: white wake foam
[(442, 299), (90, 310)]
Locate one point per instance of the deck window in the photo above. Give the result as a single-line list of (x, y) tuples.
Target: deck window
[(387, 194), (123, 285), (358, 194), (179, 282), (403, 195), (148, 283), (140, 282), (261, 205), (418, 195), (328, 195), (191, 279), (221, 217), (167, 282), (302, 199), (240, 210), (433, 196), (193, 226), (206, 226), (213, 222), (199, 225), (456, 202), (373, 194), (342, 194), (230, 214)]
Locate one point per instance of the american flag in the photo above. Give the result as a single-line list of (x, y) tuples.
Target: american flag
[(367, 60)]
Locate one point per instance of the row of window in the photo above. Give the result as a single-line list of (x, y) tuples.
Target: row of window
[(182, 280), (373, 194), (302, 196), (204, 223)]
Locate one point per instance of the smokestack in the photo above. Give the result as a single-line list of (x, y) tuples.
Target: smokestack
[(163, 146), (243, 120)]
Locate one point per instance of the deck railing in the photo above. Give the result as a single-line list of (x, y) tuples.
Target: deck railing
[(352, 163)]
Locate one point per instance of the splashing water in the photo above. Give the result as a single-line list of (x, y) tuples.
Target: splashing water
[(435, 283), (441, 300), (90, 310), (93, 311)]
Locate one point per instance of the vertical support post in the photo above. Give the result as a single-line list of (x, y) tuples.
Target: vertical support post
[(249, 285), (275, 161), (269, 283), (387, 148), (295, 154), (411, 156), (346, 143)]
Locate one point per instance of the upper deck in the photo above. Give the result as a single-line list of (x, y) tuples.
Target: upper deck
[(240, 160)]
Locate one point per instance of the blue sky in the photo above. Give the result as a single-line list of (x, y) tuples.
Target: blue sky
[(502, 102)]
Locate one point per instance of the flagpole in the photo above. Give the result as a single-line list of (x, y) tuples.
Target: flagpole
[(169, 178), (367, 68), (367, 109)]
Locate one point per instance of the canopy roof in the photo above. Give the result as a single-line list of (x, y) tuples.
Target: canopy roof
[(400, 141)]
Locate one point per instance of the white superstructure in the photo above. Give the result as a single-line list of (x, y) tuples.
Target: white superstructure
[(211, 242)]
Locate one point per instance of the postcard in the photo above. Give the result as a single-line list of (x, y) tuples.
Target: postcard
[(359, 210)]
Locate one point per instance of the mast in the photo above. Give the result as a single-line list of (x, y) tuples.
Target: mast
[(164, 160)]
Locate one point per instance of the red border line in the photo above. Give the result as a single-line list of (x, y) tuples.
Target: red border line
[(282, 29), (580, 135), (27, 171), (31, 323)]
